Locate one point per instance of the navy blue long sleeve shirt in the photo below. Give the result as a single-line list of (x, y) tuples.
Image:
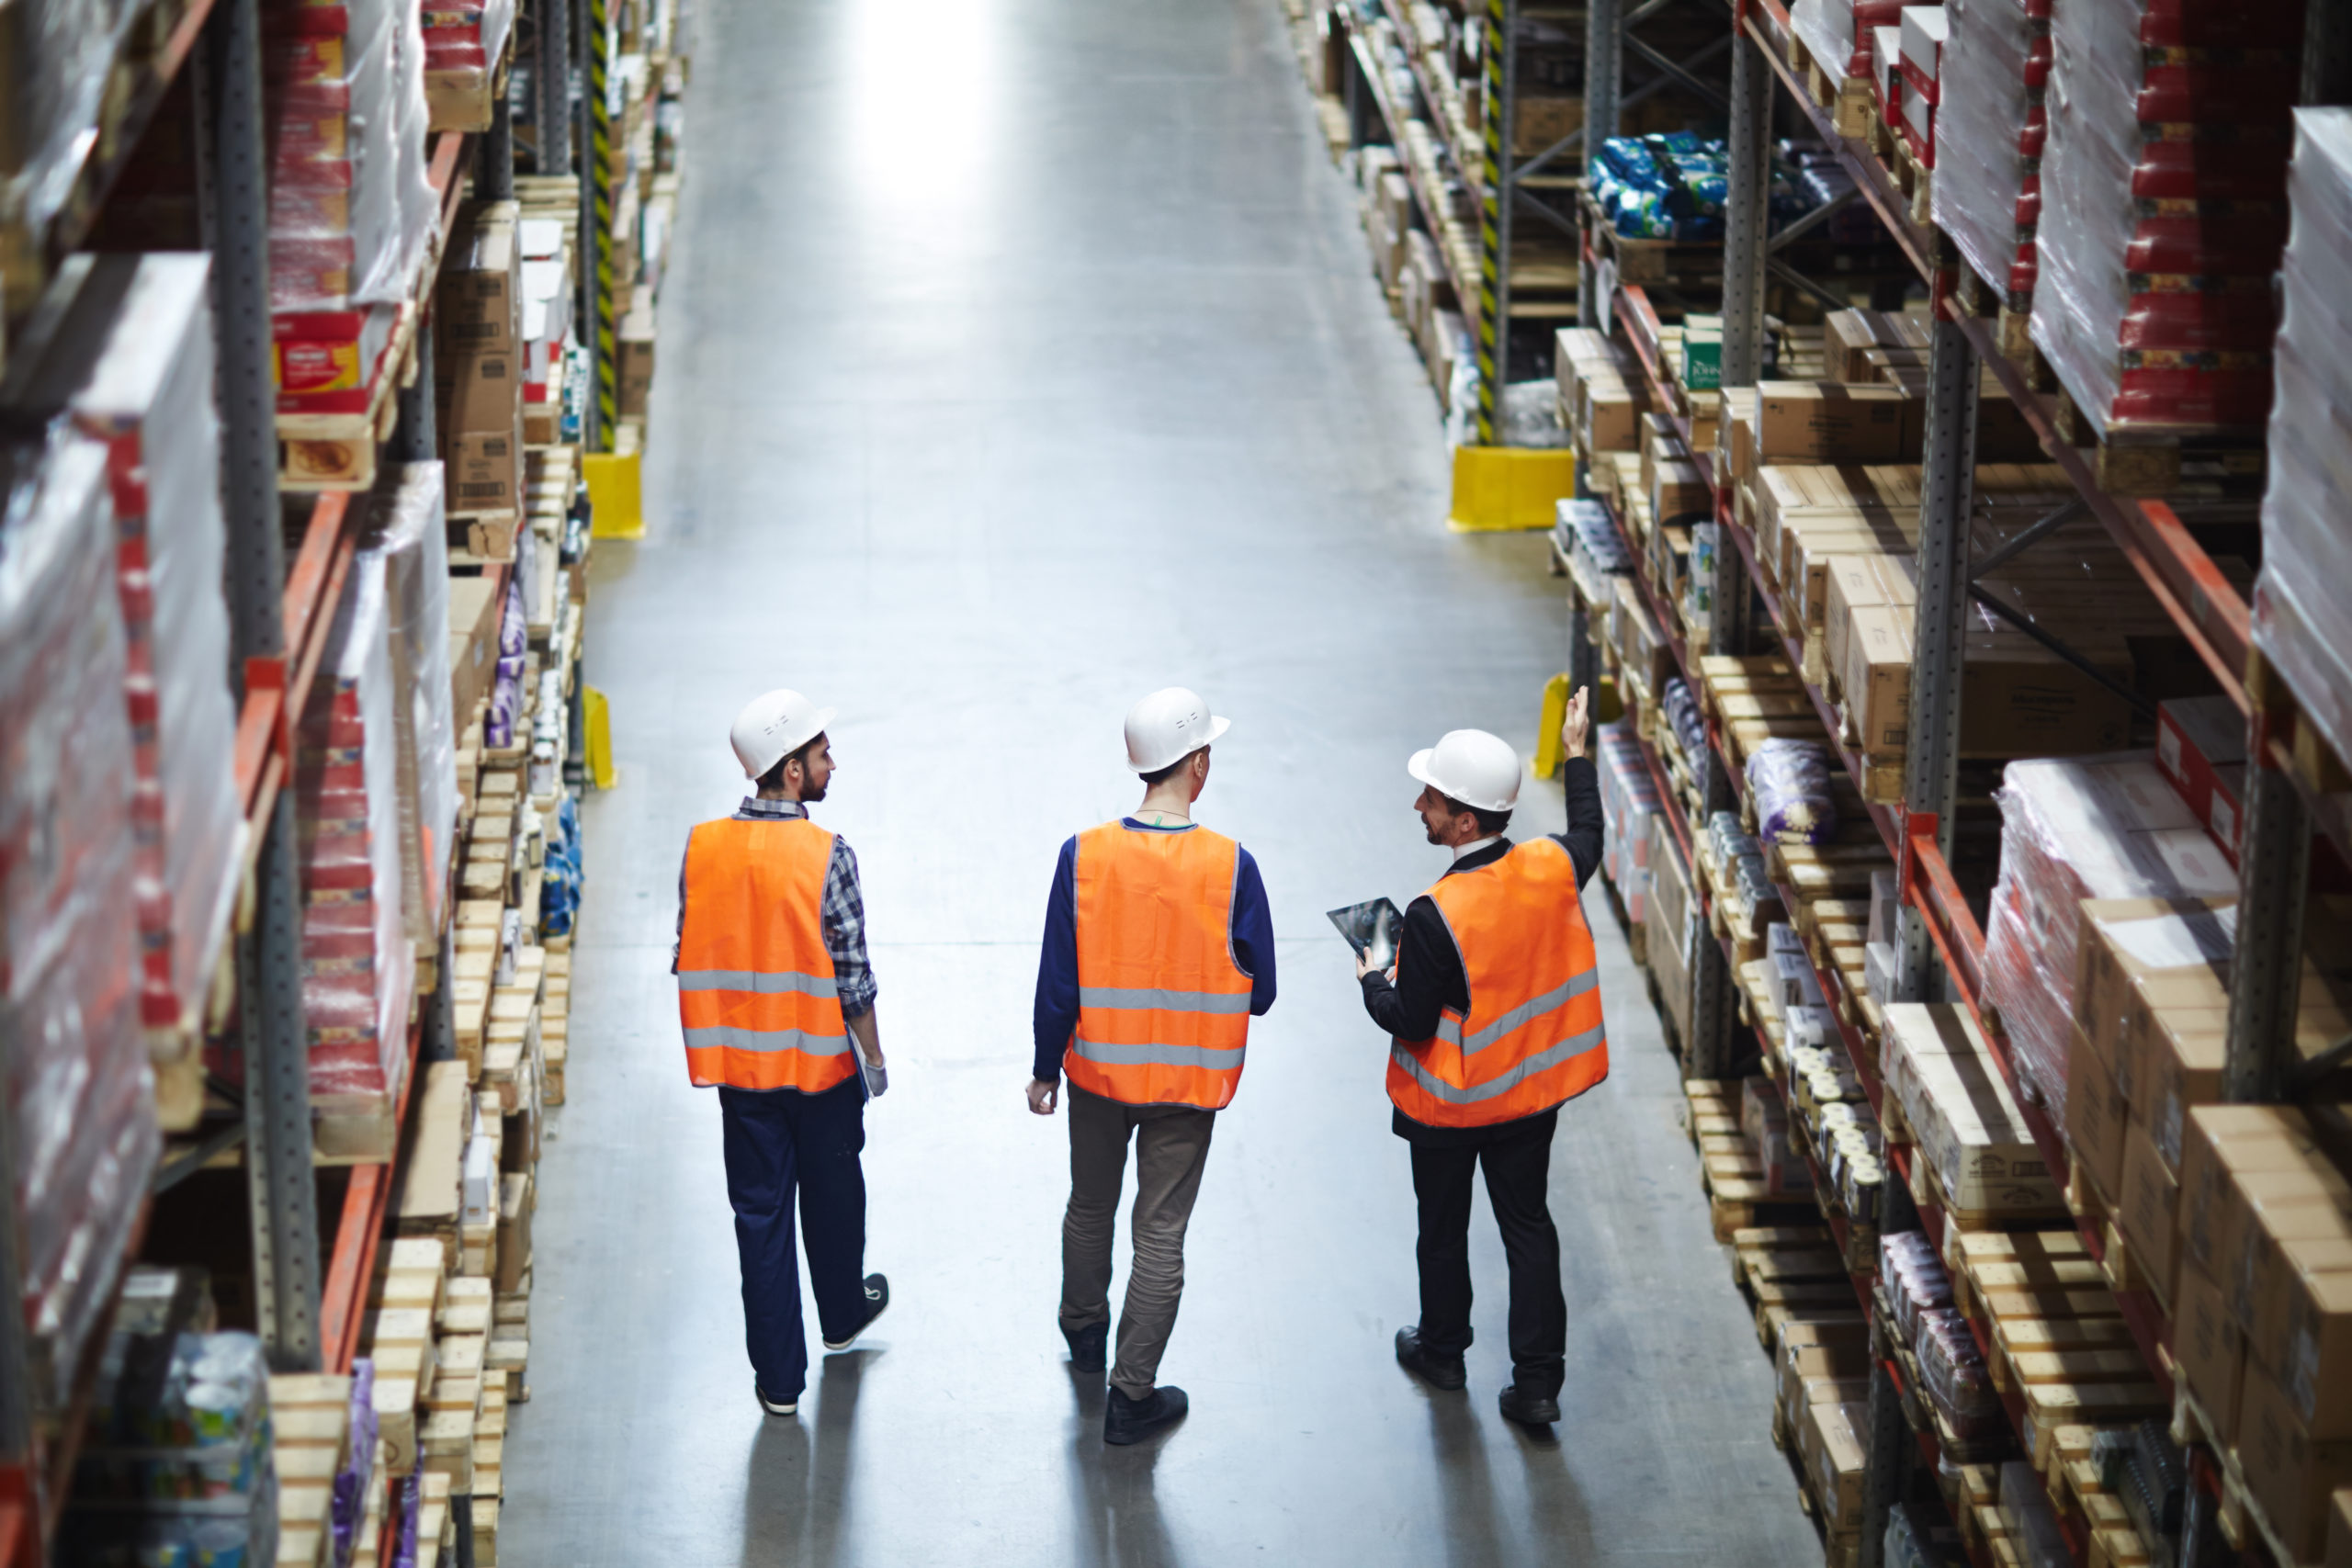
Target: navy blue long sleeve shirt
[(1252, 931)]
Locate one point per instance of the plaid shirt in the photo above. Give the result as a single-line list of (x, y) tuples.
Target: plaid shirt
[(842, 910)]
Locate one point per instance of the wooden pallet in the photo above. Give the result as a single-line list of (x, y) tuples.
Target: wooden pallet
[(1846, 98)]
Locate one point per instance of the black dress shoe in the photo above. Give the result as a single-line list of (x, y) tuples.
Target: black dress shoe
[(1128, 1420), (1529, 1409), (1437, 1370), (877, 1297), (1087, 1345)]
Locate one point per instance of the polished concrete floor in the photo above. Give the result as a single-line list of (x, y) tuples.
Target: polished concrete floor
[(1021, 357)]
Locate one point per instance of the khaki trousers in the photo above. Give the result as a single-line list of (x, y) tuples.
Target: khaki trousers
[(1171, 1146)]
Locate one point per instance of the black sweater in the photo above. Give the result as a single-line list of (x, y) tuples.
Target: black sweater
[(1430, 966)]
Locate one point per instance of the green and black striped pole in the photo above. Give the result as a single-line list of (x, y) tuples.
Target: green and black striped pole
[(601, 305), (1494, 216)]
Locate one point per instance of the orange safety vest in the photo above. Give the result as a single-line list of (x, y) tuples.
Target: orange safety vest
[(1534, 1037), (756, 990), (1163, 1010)]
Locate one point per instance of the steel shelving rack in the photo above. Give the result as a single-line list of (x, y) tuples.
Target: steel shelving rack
[(2293, 784), (309, 1286)]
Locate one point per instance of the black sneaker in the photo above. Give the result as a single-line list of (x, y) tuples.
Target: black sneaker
[(1087, 1347), (877, 1297), (1128, 1420), (1437, 1370), (774, 1406), (1529, 1409)]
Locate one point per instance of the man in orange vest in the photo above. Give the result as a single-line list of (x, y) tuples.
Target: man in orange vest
[(1159, 950), (1494, 1009), (774, 987)]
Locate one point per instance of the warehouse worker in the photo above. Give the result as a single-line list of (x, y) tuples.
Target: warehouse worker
[(772, 986), (1494, 1008), (1159, 950)]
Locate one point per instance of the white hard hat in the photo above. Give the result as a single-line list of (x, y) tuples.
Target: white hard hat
[(773, 726), (1472, 767), (1167, 726)]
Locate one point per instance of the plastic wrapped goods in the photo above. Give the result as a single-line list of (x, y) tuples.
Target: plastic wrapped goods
[(357, 966), (2301, 619), (1628, 801), (1915, 1281), (1838, 32), (76, 1074), (1988, 190), (2162, 219), (123, 346), (408, 536), (1791, 782), (350, 206), (178, 1467), (2103, 827), (1953, 1374), (53, 75)]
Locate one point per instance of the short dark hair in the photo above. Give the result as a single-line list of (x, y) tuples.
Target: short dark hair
[(1158, 776), (1490, 822), (773, 777)]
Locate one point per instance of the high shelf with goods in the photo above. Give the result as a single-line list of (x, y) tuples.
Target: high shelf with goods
[(2161, 517), (391, 375)]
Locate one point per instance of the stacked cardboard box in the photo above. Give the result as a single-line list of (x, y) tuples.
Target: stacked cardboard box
[(2263, 1312), (478, 367)]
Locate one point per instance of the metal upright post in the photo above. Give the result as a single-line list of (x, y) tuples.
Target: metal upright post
[(1499, 57), (2328, 52), (552, 77), (597, 233), (1747, 212), (1886, 1465), (1603, 40), (414, 437), (281, 1189), (1931, 757), (2265, 975), (494, 154)]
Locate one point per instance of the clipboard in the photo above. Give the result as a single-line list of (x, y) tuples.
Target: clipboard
[(1373, 928)]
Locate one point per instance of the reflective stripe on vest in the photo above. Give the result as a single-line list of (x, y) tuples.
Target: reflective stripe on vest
[(1534, 1036), (1163, 1010), (757, 995)]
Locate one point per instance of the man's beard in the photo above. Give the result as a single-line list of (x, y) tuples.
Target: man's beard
[(809, 796), (1432, 832)]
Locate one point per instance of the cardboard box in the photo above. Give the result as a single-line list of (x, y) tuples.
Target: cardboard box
[(477, 302), (2149, 1205), (2285, 1241), (485, 472), (2222, 1148), (2208, 1348), (2339, 1531), (1838, 1454), (634, 363), (2291, 1473), (1968, 1127), (1827, 422), (477, 394), (2096, 1118), (1849, 336)]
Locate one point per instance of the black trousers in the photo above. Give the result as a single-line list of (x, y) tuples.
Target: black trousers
[(784, 1145), (1518, 1173)]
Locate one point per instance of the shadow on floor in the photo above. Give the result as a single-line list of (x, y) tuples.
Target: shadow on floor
[(796, 1496)]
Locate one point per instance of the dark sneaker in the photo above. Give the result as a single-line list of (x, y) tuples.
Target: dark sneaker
[(775, 1407), (1437, 1370), (1087, 1347), (1128, 1420), (877, 1297), (1529, 1409)]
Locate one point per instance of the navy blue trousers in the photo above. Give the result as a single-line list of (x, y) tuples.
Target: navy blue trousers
[(779, 1141)]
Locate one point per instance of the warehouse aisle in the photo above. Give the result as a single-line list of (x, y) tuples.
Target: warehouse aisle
[(1022, 356)]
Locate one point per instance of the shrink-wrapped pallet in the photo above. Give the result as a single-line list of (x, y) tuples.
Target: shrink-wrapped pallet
[(407, 536), (1628, 801), (55, 59), (1838, 33), (2302, 618), (1988, 191), (2162, 216), (357, 966), (79, 1090), (350, 207), (2107, 828), (122, 345)]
